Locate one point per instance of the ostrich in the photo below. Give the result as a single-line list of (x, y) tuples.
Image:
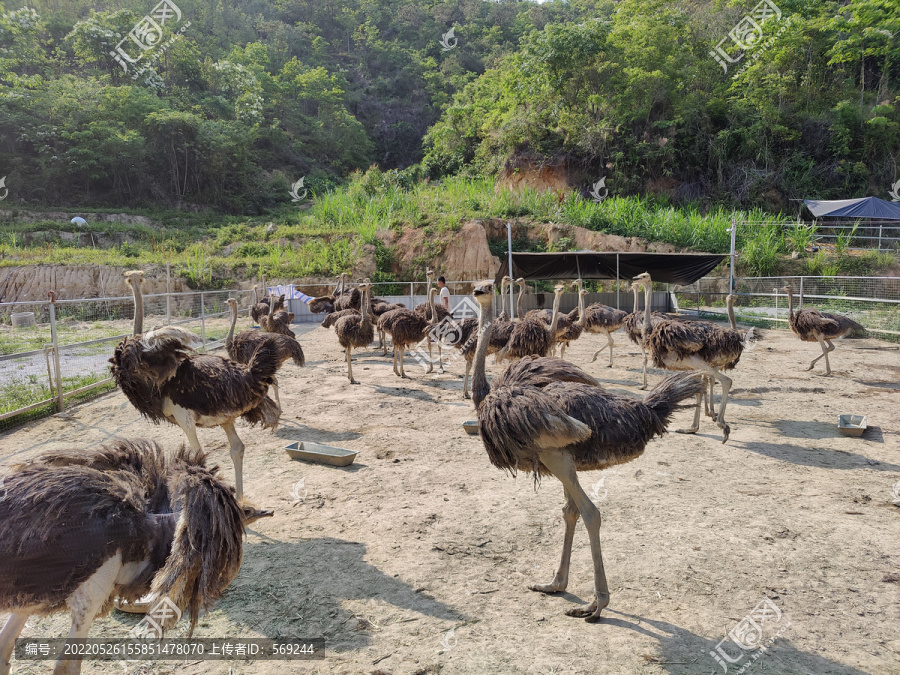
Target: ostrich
[(408, 328), (548, 416), (531, 336), (78, 529), (278, 320), (811, 325), (325, 303), (378, 310), (333, 317), (575, 320), (356, 330), (603, 320), (700, 346), (162, 377), (243, 346), (424, 308), (260, 308)]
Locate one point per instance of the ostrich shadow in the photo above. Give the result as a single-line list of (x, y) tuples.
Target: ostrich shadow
[(815, 457), (823, 430), (405, 392), (682, 652), (301, 589), (293, 431)]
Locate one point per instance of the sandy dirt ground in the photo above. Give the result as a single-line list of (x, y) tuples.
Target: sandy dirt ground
[(417, 558)]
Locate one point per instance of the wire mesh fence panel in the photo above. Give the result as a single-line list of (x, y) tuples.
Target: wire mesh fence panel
[(873, 302)]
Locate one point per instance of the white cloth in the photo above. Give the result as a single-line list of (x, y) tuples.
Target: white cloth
[(445, 293)]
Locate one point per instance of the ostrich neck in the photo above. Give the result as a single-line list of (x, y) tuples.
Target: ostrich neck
[(637, 300), (645, 329), (730, 304), (555, 320), (234, 312), (364, 307), (519, 302), (480, 386), (255, 296), (790, 295), (580, 306), (339, 291), (138, 307)]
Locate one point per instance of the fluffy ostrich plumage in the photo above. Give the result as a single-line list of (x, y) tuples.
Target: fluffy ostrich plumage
[(150, 370), (537, 397), (528, 337), (243, 346), (600, 318), (278, 320), (408, 328), (76, 528), (808, 324), (348, 301), (671, 342), (423, 309), (332, 318), (260, 308)]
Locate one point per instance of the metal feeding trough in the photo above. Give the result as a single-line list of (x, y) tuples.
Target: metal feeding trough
[(324, 454), (852, 425), (140, 606), (471, 427)]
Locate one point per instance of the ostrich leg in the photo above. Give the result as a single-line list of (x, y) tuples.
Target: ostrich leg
[(726, 387), (825, 349), (561, 580), (644, 385), (696, 424), (185, 419), (561, 465), (396, 372), (608, 344), (350, 366), (466, 380), (8, 635), (275, 394), (86, 602), (237, 457)]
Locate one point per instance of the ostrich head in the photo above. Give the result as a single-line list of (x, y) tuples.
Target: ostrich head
[(521, 282), (231, 302), (582, 293), (643, 279), (250, 514), (483, 293)]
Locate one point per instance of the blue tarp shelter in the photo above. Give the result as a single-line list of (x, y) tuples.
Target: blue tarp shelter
[(865, 207)]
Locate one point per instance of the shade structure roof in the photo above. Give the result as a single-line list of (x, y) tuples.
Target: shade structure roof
[(864, 207), (670, 268)]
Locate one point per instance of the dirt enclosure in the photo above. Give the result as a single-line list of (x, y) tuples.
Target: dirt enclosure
[(416, 559)]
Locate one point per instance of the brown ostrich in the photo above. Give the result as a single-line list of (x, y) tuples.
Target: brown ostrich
[(409, 328), (165, 380), (698, 346), (811, 325), (325, 303), (260, 308), (278, 320), (549, 417), (78, 529), (356, 330), (379, 309), (531, 336), (243, 346), (424, 308), (601, 319), (575, 324), (333, 317)]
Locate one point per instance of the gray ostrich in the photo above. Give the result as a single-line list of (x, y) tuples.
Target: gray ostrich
[(531, 336), (165, 380), (243, 346), (697, 346), (811, 325), (78, 529), (549, 417), (356, 330)]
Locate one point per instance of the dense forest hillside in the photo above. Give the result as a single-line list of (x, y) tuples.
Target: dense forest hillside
[(226, 105)]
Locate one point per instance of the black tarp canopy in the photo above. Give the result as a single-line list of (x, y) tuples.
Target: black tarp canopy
[(669, 268), (865, 207)]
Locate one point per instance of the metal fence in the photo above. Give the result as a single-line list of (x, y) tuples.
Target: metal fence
[(864, 234), (874, 302)]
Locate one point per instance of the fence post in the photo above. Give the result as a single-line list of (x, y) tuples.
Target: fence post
[(618, 283), (412, 296), (203, 319), (168, 295), (55, 343), (800, 306)]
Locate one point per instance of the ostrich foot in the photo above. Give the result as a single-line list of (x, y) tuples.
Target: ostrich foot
[(643, 387), (591, 611), (726, 431), (691, 430), (553, 587), (354, 381), (467, 395)]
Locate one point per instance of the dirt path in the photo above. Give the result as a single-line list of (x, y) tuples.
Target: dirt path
[(416, 559)]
